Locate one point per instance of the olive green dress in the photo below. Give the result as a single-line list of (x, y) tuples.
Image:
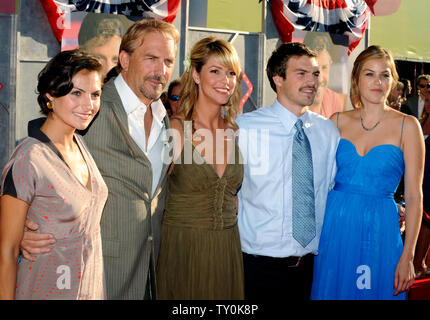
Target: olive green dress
[(200, 255)]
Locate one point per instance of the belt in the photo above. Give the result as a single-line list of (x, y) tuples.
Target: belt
[(291, 262)]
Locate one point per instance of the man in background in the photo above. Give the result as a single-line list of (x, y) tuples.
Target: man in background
[(100, 34), (415, 104), (327, 101)]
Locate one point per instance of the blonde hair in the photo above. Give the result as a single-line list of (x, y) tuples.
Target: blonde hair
[(135, 34), (200, 53), (373, 52)]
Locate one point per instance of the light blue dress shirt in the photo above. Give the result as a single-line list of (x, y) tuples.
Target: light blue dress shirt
[(265, 207)]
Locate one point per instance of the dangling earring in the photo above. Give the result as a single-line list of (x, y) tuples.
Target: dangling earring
[(49, 105)]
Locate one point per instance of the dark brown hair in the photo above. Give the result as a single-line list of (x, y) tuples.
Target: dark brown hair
[(277, 64), (56, 77)]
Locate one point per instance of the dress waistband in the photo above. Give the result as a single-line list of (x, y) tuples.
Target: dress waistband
[(356, 189)]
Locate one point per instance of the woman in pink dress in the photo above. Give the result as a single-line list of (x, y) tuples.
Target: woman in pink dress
[(52, 179)]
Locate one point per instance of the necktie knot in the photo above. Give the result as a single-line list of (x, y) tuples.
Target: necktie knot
[(299, 127)]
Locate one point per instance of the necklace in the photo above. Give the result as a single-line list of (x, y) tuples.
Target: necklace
[(370, 129)]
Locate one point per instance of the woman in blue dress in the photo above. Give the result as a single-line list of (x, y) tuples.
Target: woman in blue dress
[(361, 254)]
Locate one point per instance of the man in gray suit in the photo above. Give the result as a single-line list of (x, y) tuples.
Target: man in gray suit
[(415, 104), (127, 141)]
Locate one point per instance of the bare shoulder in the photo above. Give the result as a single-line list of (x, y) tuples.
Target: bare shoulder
[(334, 117), (398, 119), (412, 131), (410, 122), (177, 122), (343, 118), (396, 114), (350, 113)]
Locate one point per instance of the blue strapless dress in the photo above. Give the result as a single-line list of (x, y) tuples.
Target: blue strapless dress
[(360, 243)]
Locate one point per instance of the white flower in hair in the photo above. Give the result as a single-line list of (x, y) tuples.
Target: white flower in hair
[(187, 63)]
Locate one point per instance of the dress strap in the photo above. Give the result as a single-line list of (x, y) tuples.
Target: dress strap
[(401, 135), (337, 120)]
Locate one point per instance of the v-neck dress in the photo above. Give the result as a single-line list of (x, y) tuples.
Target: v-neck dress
[(61, 205), (200, 254)]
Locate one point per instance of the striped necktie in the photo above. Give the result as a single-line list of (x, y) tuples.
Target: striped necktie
[(302, 188)]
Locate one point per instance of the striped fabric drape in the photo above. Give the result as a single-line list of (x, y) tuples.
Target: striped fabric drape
[(348, 17), (56, 10)]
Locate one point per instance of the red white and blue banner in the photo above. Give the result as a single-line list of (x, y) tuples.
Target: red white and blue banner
[(58, 11), (348, 17)]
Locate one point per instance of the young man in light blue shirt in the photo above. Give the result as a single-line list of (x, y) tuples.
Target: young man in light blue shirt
[(277, 264)]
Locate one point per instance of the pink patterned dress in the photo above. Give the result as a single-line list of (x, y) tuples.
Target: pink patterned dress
[(61, 205)]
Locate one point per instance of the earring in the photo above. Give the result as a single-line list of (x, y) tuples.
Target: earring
[(49, 105)]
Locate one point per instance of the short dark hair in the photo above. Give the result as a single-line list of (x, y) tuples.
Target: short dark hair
[(277, 64), (56, 77)]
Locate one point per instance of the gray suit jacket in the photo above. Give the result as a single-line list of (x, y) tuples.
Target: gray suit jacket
[(131, 220)]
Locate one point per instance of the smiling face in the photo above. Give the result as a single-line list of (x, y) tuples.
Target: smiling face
[(216, 82), (77, 109), (300, 85), (375, 81), (148, 69)]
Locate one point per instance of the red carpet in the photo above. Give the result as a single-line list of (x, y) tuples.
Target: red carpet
[(420, 290)]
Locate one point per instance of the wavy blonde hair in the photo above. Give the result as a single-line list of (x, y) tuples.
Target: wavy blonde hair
[(372, 52), (200, 53)]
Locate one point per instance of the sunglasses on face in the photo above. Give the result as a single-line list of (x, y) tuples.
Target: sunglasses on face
[(174, 97), (422, 86)]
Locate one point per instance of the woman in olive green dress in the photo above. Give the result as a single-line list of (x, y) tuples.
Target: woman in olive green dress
[(200, 255)]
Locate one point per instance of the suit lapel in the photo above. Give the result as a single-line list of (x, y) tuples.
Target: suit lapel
[(113, 99), (165, 165)]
